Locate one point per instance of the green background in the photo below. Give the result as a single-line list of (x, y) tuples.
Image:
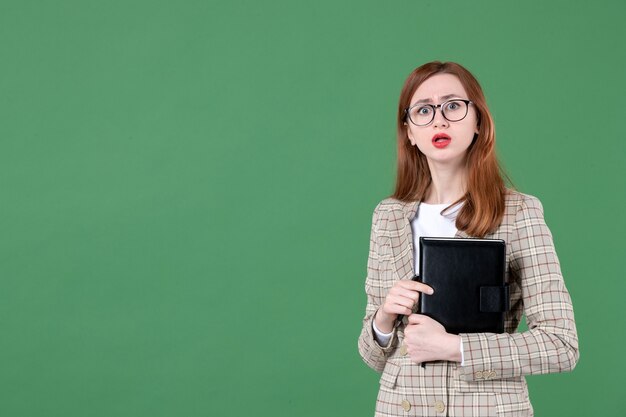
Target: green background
[(187, 190)]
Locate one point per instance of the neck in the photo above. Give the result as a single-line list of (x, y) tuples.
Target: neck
[(448, 183)]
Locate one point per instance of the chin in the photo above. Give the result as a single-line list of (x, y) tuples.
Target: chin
[(447, 159)]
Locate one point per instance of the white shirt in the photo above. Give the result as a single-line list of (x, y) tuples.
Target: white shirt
[(427, 222)]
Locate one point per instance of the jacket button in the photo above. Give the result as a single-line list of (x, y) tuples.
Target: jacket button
[(403, 350), (439, 406), (479, 375), (406, 405)]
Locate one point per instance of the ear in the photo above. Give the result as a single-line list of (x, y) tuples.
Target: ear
[(410, 134)]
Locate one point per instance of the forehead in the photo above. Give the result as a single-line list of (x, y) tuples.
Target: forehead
[(437, 86)]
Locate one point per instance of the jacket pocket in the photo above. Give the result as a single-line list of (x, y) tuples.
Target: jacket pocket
[(390, 375), (509, 385), (510, 395)]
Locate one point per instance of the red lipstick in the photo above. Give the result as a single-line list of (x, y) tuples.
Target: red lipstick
[(441, 140)]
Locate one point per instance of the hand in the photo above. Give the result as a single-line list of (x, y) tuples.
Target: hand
[(427, 340), (400, 300)]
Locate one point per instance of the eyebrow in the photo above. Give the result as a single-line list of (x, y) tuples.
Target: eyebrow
[(427, 100)]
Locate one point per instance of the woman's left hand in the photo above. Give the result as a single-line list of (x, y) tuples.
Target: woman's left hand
[(427, 340)]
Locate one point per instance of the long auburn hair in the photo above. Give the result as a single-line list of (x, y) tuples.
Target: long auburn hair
[(484, 199)]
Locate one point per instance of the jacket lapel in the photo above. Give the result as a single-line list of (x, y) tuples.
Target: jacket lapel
[(402, 248)]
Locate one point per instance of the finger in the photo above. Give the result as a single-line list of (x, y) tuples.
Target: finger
[(416, 286), (416, 319), (402, 300), (404, 292), (398, 309)]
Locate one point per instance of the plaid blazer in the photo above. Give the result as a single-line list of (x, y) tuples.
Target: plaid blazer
[(491, 382)]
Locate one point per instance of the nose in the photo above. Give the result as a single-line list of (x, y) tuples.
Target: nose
[(439, 120)]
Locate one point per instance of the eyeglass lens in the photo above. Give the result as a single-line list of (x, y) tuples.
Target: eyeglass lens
[(453, 110)]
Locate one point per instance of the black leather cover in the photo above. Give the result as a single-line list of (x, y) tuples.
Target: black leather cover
[(468, 278)]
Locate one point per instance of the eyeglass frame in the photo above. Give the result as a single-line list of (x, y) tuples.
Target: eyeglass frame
[(435, 107)]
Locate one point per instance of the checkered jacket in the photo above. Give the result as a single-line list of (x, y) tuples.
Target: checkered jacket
[(491, 382)]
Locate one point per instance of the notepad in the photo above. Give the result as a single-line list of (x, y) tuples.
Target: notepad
[(471, 295)]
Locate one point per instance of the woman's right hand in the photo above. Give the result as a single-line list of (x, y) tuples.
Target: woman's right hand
[(400, 300)]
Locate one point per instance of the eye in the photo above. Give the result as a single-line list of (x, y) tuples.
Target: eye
[(423, 110), (453, 105)]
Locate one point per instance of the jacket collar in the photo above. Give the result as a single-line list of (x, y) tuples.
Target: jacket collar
[(410, 210), (403, 252)]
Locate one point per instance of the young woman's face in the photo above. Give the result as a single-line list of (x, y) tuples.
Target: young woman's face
[(435, 90)]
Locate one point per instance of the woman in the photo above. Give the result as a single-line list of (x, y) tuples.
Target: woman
[(446, 159)]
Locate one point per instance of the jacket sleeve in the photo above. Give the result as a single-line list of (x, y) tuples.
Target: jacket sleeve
[(551, 342), (374, 355)]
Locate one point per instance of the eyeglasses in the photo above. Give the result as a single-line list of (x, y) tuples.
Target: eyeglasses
[(452, 110)]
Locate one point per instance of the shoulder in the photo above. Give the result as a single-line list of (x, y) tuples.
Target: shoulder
[(389, 211), (518, 203), (393, 207), (390, 204)]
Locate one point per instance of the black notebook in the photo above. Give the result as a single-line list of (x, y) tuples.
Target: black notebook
[(471, 295)]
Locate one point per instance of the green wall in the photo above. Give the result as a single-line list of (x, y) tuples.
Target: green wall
[(187, 189)]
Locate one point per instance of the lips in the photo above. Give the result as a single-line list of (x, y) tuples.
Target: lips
[(441, 140)]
